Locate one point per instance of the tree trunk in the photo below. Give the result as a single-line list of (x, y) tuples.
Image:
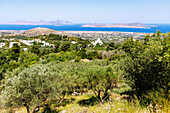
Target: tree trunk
[(105, 96), (28, 108), (98, 96), (100, 99), (36, 109), (61, 99)]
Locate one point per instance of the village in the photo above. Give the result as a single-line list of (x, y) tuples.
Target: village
[(43, 43)]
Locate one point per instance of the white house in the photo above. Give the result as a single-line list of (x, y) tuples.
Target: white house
[(73, 42), (11, 44), (27, 42), (46, 44), (2, 44), (25, 49), (97, 41), (37, 40)]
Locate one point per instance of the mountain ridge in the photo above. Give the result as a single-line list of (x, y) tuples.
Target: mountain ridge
[(40, 22)]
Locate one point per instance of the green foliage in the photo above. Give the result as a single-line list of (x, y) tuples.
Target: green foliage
[(14, 52), (49, 75), (99, 47), (101, 79), (13, 64), (45, 51), (94, 54), (82, 53), (35, 49), (159, 100), (54, 37), (57, 49), (77, 59), (54, 56), (28, 58), (29, 88), (114, 57), (147, 64), (111, 46), (65, 46), (62, 56)]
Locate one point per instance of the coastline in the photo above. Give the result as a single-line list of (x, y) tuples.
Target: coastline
[(116, 27), (104, 32), (77, 28)]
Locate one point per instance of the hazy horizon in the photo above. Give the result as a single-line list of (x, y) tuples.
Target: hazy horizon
[(87, 11)]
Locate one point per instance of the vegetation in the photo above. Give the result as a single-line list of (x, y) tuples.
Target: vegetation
[(129, 77)]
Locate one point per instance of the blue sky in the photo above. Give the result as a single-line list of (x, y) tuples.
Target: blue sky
[(87, 11)]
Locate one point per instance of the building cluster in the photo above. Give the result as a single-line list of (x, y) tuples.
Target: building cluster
[(111, 34), (28, 43)]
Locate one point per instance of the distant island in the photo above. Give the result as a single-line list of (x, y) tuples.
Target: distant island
[(126, 25), (41, 22)]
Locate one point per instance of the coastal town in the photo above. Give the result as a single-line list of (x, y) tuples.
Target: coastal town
[(83, 34), (15, 37), (107, 34), (94, 36)]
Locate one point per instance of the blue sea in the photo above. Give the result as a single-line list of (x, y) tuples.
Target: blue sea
[(164, 28)]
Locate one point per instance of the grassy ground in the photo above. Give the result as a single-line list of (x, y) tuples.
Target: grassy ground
[(88, 104)]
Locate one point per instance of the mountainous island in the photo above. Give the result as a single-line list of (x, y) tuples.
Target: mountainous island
[(126, 25), (41, 22)]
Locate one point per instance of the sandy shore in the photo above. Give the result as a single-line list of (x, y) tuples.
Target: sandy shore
[(79, 32), (102, 32)]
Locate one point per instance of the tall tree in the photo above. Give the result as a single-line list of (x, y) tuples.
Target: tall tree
[(65, 46), (147, 64), (14, 52)]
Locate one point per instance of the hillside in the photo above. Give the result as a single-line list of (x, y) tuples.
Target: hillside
[(42, 31)]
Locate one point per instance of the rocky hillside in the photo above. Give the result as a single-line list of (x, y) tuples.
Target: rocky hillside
[(42, 31)]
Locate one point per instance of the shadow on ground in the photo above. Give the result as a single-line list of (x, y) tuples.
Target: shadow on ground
[(88, 102)]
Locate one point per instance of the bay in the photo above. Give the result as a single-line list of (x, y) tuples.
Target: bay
[(164, 28)]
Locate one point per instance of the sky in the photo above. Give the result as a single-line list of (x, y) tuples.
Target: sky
[(87, 11)]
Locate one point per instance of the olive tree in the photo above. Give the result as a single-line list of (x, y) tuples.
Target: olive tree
[(102, 79), (30, 88)]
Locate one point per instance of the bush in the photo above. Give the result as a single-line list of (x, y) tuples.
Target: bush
[(94, 54), (77, 59)]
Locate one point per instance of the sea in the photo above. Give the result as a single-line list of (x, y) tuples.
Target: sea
[(164, 28)]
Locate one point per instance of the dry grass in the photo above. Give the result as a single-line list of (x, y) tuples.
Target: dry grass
[(116, 104)]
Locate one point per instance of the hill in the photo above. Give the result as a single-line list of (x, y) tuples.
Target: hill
[(42, 31)]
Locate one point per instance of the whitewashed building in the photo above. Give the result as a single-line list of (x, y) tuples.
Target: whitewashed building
[(2, 44), (25, 49), (97, 41), (73, 42), (11, 44), (27, 42)]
